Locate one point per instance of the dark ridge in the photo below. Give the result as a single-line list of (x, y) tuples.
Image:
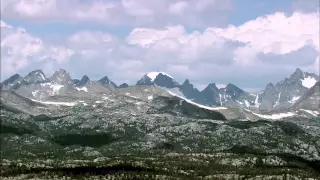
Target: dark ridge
[(79, 171), (165, 145), (289, 128), (247, 124), (14, 130), (43, 117), (92, 140)]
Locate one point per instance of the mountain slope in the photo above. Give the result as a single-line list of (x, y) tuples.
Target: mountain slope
[(310, 101), (152, 123), (287, 92)]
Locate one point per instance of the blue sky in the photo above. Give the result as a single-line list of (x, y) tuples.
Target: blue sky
[(245, 42)]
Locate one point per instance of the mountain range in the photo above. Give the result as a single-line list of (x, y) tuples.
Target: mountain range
[(58, 125), (283, 94)]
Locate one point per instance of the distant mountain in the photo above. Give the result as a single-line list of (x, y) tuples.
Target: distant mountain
[(280, 95), (85, 80), (189, 91), (310, 100), (36, 76), (210, 96), (61, 77), (123, 85), (158, 79), (288, 91), (35, 85), (13, 82), (106, 81)]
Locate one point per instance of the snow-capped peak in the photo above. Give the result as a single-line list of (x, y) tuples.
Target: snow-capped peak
[(159, 79), (153, 75)]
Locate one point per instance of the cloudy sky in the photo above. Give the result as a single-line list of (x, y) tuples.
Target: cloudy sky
[(245, 42)]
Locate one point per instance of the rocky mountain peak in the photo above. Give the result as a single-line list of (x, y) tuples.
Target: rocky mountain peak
[(84, 80), (13, 82), (105, 80), (212, 86), (189, 90), (270, 86), (298, 73), (164, 80), (186, 82), (153, 75), (124, 85), (35, 76), (158, 78), (13, 78), (61, 76), (233, 88)]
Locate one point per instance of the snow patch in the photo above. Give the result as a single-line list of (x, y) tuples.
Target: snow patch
[(56, 88), (45, 84), (277, 102), (314, 113), (34, 93), (273, 116), (85, 89), (42, 76), (211, 121), (56, 103), (294, 99), (239, 102), (176, 91), (199, 105), (247, 103), (153, 75), (150, 97), (256, 101), (308, 82)]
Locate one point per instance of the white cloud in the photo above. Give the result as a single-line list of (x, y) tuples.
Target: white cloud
[(4, 25), (240, 46), (20, 49), (275, 43), (275, 33), (178, 7), (111, 12)]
